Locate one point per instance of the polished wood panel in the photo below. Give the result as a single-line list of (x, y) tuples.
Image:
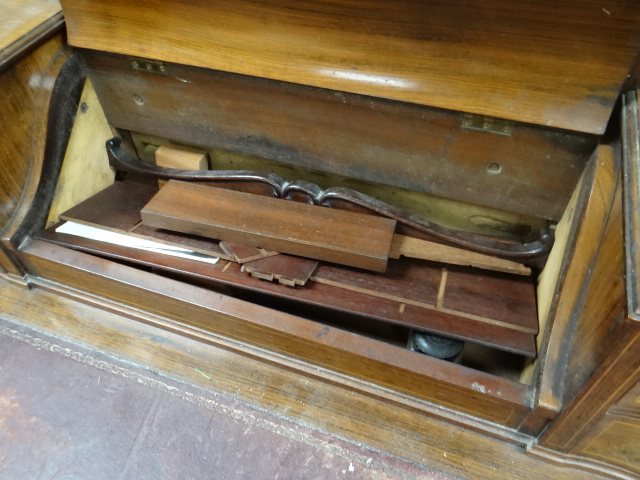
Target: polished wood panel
[(629, 405), (555, 63), (347, 238), (531, 172), (25, 89), (488, 397), (615, 440), (604, 352), (19, 96), (20, 17)]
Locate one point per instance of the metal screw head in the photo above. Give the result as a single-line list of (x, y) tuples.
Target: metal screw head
[(493, 168), (138, 99), (84, 107)]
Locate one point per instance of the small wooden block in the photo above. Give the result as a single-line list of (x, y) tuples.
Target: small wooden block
[(300, 229), (286, 269), (180, 157)]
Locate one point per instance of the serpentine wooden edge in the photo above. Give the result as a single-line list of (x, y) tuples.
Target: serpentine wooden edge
[(530, 253)]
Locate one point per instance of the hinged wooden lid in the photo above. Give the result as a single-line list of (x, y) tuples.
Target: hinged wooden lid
[(558, 63)]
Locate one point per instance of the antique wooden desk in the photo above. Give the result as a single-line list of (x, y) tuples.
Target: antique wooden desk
[(501, 128)]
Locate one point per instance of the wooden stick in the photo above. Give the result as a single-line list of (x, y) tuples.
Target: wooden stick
[(424, 250)]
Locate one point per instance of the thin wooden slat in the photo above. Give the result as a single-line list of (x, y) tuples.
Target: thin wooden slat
[(502, 298), (310, 231), (415, 248)]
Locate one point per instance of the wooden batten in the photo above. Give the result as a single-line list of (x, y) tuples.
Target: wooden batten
[(312, 231)]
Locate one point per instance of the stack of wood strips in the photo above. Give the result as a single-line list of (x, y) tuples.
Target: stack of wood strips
[(489, 308)]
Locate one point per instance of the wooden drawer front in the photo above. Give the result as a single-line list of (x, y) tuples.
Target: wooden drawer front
[(615, 439)]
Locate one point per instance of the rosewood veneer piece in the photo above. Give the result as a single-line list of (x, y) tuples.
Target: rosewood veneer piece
[(343, 237), (287, 269)]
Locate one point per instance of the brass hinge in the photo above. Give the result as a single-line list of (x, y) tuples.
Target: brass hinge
[(149, 66), (483, 123)]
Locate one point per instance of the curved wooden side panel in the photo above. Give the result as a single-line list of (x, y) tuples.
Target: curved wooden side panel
[(343, 198), (56, 105), (29, 84)]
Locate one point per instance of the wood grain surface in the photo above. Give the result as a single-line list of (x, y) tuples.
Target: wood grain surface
[(85, 170), (16, 122), (310, 231), (19, 17), (410, 147), (286, 269), (615, 440), (415, 248), (587, 224), (29, 87), (555, 63)]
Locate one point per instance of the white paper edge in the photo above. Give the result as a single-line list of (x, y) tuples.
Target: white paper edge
[(107, 236)]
